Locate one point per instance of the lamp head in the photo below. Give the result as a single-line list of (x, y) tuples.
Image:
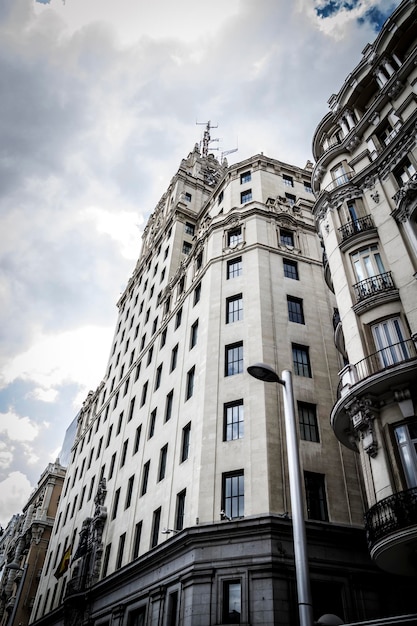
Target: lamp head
[(264, 372)]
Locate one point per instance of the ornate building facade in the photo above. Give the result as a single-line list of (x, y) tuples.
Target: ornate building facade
[(23, 548), (175, 508), (366, 212)]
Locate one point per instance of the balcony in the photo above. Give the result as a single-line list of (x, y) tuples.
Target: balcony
[(391, 531), (340, 180), (374, 285), (389, 368), (355, 227)]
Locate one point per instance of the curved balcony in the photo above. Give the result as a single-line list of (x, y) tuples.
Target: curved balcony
[(358, 226), (340, 180), (391, 532), (375, 284), (389, 368)]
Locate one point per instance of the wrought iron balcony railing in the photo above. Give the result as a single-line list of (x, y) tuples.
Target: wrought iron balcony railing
[(374, 284), (340, 180), (390, 515), (357, 226), (385, 358)]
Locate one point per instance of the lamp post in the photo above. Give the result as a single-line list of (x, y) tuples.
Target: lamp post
[(16, 567), (267, 374)]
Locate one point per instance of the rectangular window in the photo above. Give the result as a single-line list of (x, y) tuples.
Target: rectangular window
[(108, 437), (144, 392), (307, 419), (172, 611), (190, 383), (187, 199), (150, 354), (245, 196), (193, 334), (90, 490), (232, 602), (406, 437), (112, 463), (233, 420), (301, 360), (106, 560), (137, 371), (316, 496), (234, 308), (124, 452), (137, 439), (307, 187), (295, 310), (154, 325), (197, 294), (145, 478), (136, 540), (152, 423), (119, 424), (288, 180), (390, 342), (162, 462), (178, 318), (234, 359), (129, 492), (185, 446), (115, 503), (168, 405), (234, 237), (189, 228), (158, 376), (100, 443), (186, 247), (234, 267), (156, 520), (179, 514), (163, 337), (291, 200), (286, 237), (131, 409), (233, 500), (245, 177), (290, 269), (120, 551), (174, 357)]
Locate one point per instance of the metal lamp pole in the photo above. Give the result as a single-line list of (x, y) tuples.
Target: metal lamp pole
[(267, 374)]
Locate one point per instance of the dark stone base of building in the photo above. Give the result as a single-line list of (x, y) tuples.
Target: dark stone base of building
[(242, 572)]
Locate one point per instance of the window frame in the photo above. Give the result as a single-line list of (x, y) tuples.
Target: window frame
[(230, 368)]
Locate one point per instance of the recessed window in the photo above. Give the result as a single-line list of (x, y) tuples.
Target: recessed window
[(288, 180), (233, 501), (152, 423), (307, 419), (106, 560), (137, 439), (131, 408), (307, 187), (295, 310), (290, 269), (233, 421), (115, 503), (154, 326), (158, 376), (234, 237), (404, 171), (185, 445), (124, 452), (150, 353), (245, 196), (178, 318), (168, 405), (390, 342), (286, 237), (190, 383), (145, 478), (197, 294), (136, 540), (129, 491), (301, 360), (189, 228), (234, 309), (120, 550), (112, 464), (234, 267), (187, 196), (174, 358), (234, 359), (232, 602), (186, 247), (144, 393), (156, 520), (245, 177), (180, 510), (163, 338), (220, 197), (193, 334), (290, 198), (406, 437), (162, 462), (316, 496)]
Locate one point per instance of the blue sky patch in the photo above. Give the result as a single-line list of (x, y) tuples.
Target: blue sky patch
[(375, 17), (334, 6)]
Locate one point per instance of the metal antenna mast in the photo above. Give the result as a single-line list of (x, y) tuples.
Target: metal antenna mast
[(207, 140)]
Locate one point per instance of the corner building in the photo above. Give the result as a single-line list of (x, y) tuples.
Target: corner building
[(176, 502), (366, 211)]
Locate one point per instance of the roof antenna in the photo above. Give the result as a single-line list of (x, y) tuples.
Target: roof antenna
[(207, 140)]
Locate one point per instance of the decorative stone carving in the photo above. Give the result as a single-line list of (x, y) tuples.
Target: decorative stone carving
[(406, 200), (362, 412)]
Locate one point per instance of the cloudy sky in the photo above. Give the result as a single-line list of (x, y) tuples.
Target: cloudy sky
[(100, 100)]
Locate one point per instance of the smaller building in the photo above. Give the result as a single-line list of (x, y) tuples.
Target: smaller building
[(23, 547)]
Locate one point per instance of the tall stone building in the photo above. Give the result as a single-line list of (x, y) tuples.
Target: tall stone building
[(23, 547), (176, 504), (366, 211)]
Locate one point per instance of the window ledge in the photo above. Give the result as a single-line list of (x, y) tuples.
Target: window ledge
[(375, 300)]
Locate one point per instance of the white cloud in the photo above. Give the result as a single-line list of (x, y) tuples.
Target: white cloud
[(6, 455), (14, 492), (18, 428), (45, 395)]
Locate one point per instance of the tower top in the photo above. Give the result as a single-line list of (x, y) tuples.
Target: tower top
[(207, 140)]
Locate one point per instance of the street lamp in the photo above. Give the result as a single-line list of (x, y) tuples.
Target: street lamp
[(268, 375), (16, 568)]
